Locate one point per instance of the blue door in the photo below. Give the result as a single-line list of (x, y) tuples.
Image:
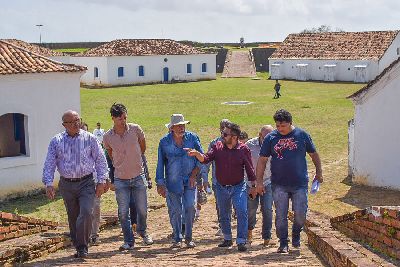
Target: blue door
[(166, 74)]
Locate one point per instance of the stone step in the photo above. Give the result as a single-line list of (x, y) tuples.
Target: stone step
[(239, 64)]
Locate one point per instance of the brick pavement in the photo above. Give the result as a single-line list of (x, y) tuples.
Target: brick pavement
[(239, 64)]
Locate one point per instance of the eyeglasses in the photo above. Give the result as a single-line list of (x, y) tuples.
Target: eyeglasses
[(226, 134), (74, 121)]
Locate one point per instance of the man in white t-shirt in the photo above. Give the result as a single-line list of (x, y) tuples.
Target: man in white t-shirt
[(98, 132)]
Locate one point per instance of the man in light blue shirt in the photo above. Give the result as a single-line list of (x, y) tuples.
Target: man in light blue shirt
[(176, 177), (76, 154)]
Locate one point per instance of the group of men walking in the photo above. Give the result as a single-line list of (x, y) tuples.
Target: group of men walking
[(270, 168)]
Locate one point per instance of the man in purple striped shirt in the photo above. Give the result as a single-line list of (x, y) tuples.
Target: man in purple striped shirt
[(76, 154)]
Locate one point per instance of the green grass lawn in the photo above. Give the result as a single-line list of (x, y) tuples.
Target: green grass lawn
[(320, 108), (75, 50)]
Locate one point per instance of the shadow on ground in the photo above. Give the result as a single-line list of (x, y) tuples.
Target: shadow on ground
[(362, 196)]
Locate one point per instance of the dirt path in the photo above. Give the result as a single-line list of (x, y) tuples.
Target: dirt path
[(160, 254), (239, 65)]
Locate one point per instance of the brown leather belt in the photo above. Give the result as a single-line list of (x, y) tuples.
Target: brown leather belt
[(73, 180)]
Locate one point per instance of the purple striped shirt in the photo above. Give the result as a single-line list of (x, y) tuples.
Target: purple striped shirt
[(74, 157)]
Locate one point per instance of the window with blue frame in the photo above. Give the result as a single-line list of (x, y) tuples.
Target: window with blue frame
[(189, 68), (204, 67), (141, 71), (120, 71), (96, 72), (12, 135)]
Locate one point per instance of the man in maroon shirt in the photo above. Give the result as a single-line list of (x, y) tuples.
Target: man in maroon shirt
[(231, 159)]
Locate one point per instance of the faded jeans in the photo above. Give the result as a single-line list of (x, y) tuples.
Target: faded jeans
[(281, 196), (124, 190), (236, 195), (266, 209), (181, 207), (96, 218)]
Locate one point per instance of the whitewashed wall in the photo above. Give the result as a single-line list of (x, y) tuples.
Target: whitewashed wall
[(376, 139), (153, 68), (62, 59), (43, 98), (344, 68), (390, 54)]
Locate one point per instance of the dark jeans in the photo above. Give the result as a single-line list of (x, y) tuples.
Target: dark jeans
[(266, 209), (79, 200), (281, 195)]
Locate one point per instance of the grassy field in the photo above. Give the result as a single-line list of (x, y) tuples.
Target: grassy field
[(320, 108), (74, 50)]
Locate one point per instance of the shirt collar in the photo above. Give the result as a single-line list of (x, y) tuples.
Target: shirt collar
[(65, 134), (126, 129)]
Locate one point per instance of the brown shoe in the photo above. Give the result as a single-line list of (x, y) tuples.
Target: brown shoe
[(249, 236), (134, 227), (266, 242)]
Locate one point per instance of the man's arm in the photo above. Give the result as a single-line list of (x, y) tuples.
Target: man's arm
[(142, 144), (160, 176), (193, 176), (48, 170), (261, 164), (317, 163)]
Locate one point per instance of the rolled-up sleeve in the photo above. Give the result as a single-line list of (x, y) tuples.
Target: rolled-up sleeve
[(50, 164)]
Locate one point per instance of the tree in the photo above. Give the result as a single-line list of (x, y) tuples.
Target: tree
[(322, 28)]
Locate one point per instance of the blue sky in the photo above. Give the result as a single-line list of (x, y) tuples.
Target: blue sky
[(197, 20)]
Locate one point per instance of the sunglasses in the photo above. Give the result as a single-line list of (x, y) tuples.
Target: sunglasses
[(226, 134)]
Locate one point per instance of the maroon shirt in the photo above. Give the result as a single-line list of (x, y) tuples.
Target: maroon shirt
[(230, 163)]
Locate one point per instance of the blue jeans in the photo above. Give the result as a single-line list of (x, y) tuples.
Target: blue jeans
[(299, 196), (125, 189), (266, 210), (181, 206), (236, 194), (214, 189)]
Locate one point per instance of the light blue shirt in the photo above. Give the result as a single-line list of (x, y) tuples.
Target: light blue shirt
[(174, 166), (74, 157)]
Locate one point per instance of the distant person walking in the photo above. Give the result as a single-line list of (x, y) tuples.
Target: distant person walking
[(76, 154), (98, 132), (277, 89)]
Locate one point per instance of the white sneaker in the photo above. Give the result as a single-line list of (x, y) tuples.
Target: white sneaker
[(147, 240), (125, 246)]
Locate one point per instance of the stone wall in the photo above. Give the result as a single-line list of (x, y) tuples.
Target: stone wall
[(378, 226), (261, 56)]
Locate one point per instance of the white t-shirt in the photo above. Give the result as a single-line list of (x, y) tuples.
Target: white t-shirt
[(99, 134)]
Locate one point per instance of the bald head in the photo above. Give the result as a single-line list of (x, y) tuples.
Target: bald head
[(69, 114), (266, 129)]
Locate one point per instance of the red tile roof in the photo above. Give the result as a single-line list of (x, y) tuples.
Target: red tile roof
[(374, 81), (16, 60), (336, 45), (43, 51), (141, 47)]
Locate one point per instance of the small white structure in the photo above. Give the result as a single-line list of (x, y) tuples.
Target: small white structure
[(335, 56), (140, 61), (374, 132), (34, 93)]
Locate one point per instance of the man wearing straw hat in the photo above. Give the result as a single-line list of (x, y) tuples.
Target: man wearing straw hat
[(176, 177)]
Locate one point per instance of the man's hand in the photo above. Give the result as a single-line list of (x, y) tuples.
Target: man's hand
[(50, 192), (100, 189), (192, 182), (260, 189), (161, 190), (112, 187), (206, 185), (191, 152), (319, 177), (253, 192), (107, 186)]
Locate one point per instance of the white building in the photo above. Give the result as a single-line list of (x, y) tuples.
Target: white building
[(43, 51), (335, 56), (134, 61), (35, 91), (374, 142)]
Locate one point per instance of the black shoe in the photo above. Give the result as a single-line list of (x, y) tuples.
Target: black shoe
[(81, 254), (242, 247), (283, 249), (226, 244)]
